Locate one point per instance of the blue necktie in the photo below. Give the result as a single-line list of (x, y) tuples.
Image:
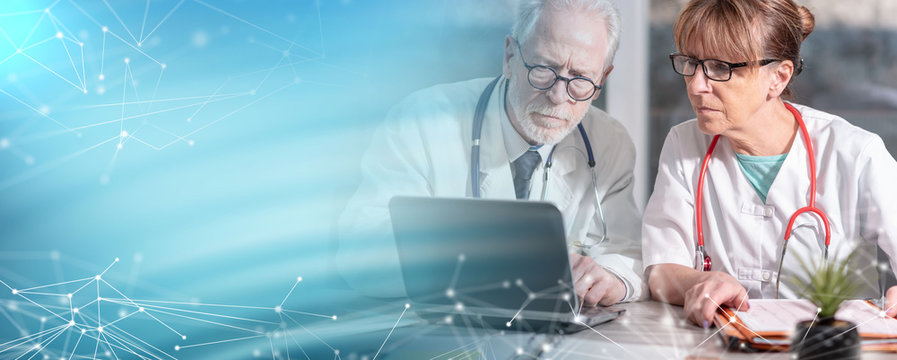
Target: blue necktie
[(523, 172)]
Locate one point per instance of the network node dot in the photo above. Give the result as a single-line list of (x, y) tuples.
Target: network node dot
[(818, 310), (101, 77), (71, 323), (164, 66), (519, 351), (251, 92), (278, 309), (4, 143), (127, 60), (531, 296), (76, 310), (15, 292), (508, 324), (882, 314), (707, 295), (407, 305), (141, 309), (299, 279), (68, 295), (81, 44), (59, 35), (98, 277), (139, 44), (100, 329), (83, 331), (120, 146), (177, 348), (336, 351), (450, 293), (123, 134), (105, 29), (47, 10), (333, 317), (18, 51), (462, 257), (191, 142), (43, 319), (183, 337)]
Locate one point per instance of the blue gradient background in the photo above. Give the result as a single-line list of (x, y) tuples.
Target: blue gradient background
[(232, 205)]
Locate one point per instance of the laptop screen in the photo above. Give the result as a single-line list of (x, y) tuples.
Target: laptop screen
[(483, 253)]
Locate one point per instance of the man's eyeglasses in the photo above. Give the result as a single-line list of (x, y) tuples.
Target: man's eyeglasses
[(541, 77), (716, 70)]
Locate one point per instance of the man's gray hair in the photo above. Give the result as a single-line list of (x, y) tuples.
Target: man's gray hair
[(529, 11)]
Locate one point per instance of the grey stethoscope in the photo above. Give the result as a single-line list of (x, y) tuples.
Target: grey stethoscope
[(475, 162)]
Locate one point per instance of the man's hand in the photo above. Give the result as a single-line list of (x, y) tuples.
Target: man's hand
[(593, 284), (714, 290)]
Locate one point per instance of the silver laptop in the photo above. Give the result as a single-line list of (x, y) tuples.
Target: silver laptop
[(489, 263)]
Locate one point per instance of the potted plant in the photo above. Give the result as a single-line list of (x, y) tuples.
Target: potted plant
[(827, 285)]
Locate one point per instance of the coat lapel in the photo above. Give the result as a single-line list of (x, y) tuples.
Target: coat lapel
[(495, 171)]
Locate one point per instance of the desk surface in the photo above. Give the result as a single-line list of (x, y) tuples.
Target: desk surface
[(648, 330)]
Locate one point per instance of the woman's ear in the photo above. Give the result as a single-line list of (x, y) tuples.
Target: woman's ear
[(781, 76)]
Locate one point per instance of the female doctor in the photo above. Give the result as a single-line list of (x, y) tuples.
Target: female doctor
[(717, 236)]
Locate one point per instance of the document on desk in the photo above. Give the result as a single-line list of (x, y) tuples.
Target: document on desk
[(768, 316)]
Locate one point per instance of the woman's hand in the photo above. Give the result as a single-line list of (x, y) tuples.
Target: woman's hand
[(713, 290)]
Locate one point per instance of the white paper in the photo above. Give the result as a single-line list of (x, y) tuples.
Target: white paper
[(769, 315)]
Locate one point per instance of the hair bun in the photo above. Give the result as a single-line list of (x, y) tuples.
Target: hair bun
[(807, 22)]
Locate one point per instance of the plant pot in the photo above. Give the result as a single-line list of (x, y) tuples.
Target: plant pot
[(826, 338)]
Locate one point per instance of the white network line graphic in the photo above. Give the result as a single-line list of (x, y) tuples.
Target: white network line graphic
[(84, 315), (72, 69)]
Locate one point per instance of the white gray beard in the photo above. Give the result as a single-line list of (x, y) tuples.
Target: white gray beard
[(545, 135)]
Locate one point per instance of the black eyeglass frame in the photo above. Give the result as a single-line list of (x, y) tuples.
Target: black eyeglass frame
[(529, 71), (731, 66)]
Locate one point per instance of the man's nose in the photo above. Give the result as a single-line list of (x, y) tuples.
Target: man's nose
[(558, 93)]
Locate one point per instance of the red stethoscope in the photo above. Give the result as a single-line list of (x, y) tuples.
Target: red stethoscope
[(702, 259)]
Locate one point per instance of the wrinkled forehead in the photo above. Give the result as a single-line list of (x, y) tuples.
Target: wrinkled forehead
[(570, 37)]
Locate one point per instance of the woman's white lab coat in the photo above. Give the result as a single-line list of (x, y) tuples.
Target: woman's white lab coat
[(856, 187)]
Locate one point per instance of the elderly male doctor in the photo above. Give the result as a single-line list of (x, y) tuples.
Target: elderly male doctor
[(555, 61)]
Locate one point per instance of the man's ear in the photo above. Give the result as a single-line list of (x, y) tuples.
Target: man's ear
[(510, 45), (606, 74), (603, 81)]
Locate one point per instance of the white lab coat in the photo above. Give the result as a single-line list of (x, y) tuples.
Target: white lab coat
[(423, 148), (744, 236)]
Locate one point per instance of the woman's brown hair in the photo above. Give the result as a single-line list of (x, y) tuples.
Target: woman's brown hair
[(746, 30)]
